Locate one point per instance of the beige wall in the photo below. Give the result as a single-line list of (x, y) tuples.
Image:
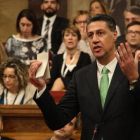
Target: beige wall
[(9, 9), (75, 5)]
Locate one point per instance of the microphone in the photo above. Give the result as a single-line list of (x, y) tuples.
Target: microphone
[(94, 131)]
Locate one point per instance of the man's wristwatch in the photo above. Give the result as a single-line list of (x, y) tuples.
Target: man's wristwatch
[(132, 84)]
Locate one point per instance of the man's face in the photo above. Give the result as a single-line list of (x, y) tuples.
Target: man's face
[(102, 41), (129, 17), (133, 36), (67, 131), (49, 7)]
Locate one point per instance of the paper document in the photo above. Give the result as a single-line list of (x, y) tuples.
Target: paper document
[(43, 71)]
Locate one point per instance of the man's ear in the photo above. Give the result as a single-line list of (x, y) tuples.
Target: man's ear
[(41, 6), (115, 35), (74, 131), (58, 7)]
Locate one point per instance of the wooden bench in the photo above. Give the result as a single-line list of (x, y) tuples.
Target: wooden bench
[(25, 122)]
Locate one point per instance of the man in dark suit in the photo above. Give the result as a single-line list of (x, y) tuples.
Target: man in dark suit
[(105, 116), (133, 35), (130, 14), (1, 128), (55, 25)]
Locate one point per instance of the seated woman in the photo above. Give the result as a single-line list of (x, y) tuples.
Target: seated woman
[(80, 21), (3, 55), (64, 65), (100, 7), (15, 88), (26, 44)]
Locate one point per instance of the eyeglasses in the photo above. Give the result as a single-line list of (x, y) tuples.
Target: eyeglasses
[(80, 22), (133, 32), (11, 77)]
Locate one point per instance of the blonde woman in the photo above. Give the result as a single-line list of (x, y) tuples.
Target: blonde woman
[(14, 83)]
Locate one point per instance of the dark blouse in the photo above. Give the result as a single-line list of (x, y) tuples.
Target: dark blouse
[(83, 61)]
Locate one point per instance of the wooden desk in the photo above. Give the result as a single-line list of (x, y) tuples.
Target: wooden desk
[(25, 122)]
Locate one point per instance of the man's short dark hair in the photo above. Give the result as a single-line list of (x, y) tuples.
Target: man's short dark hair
[(103, 17), (78, 121), (56, 1), (30, 15), (132, 24), (134, 10)]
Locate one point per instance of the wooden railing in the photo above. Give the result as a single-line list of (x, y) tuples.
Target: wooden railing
[(25, 122)]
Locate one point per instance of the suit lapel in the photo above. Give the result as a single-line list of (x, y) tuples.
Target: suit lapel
[(40, 24), (116, 79), (93, 82), (55, 26)]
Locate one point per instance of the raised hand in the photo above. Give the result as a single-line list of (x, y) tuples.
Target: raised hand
[(39, 83), (83, 33), (128, 64)]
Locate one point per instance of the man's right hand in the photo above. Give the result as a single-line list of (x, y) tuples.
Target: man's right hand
[(39, 83)]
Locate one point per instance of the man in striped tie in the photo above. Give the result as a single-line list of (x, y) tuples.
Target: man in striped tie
[(51, 24)]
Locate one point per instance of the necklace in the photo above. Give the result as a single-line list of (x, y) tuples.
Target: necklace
[(72, 55), (7, 98), (64, 72)]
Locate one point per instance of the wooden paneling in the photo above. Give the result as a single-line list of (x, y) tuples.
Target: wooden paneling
[(25, 122)]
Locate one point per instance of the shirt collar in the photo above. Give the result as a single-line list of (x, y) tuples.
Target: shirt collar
[(52, 19), (110, 66)]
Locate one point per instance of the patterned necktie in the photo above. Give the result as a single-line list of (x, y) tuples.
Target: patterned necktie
[(104, 85), (47, 28)]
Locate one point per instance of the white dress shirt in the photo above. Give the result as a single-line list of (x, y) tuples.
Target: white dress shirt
[(110, 66)]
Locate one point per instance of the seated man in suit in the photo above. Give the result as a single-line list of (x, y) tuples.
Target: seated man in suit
[(130, 14), (107, 92), (52, 25), (66, 132), (1, 128), (133, 35)]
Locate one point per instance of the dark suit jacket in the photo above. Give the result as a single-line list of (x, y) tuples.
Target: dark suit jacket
[(56, 35), (83, 61), (117, 121)]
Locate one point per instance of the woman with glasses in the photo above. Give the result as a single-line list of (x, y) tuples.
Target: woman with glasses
[(14, 83), (80, 21), (26, 44)]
